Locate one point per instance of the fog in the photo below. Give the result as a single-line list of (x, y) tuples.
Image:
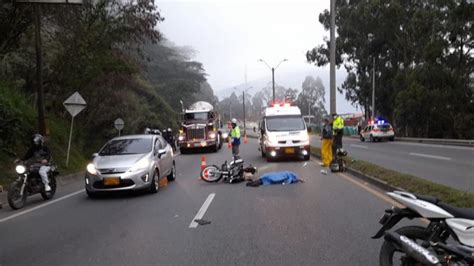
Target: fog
[(230, 36)]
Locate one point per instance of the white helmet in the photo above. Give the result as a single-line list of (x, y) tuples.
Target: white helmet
[(233, 121)]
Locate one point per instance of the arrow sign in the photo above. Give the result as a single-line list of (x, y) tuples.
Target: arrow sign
[(75, 104)]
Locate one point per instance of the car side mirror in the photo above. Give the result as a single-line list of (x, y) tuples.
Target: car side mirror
[(161, 152), (95, 155), (309, 129)]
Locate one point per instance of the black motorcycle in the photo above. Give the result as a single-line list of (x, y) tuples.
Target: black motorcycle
[(229, 171), (29, 183)]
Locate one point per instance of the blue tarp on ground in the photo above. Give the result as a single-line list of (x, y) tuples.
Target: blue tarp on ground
[(285, 177)]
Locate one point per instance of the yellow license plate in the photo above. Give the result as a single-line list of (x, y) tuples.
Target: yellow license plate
[(112, 181), (290, 150)]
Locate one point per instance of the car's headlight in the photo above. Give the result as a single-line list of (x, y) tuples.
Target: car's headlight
[(91, 169), (212, 135), (181, 138), (140, 165), (20, 169)]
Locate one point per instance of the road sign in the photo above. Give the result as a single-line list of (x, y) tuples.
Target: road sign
[(119, 124), (75, 104)]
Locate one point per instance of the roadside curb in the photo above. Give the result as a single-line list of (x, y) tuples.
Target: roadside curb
[(369, 179), (61, 181)]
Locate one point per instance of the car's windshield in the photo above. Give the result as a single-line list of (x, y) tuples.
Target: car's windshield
[(285, 123), (127, 146), (196, 116), (383, 127)]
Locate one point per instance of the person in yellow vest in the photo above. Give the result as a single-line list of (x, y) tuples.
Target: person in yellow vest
[(326, 142), (235, 138), (338, 131)]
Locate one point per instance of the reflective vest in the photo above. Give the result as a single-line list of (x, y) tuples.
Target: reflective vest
[(235, 135), (338, 123)]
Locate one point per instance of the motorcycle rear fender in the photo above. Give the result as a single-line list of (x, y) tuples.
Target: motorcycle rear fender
[(392, 217)]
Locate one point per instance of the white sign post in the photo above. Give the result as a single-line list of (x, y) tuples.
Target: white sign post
[(74, 105), (119, 124)]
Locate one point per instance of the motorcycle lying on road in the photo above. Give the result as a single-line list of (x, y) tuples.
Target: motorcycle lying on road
[(29, 183), (229, 171), (417, 245)]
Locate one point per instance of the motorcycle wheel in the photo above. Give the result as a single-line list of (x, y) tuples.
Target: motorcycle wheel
[(391, 255), (14, 199), (50, 194), (211, 174)]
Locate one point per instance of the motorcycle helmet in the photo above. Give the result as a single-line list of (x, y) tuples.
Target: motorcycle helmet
[(38, 140), (169, 129)]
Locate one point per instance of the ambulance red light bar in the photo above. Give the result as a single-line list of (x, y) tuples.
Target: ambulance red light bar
[(281, 103)]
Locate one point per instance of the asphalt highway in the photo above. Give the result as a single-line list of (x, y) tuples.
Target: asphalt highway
[(449, 165), (327, 220)]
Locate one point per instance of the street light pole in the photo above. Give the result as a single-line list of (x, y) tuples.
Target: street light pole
[(373, 88), (273, 74), (273, 83), (332, 67), (243, 99)]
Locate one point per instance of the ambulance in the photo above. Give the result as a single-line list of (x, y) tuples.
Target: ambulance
[(283, 132)]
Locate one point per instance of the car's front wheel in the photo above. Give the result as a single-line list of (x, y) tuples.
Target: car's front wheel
[(155, 182), (172, 175)]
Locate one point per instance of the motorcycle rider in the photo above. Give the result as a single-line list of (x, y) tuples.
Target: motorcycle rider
[(235, 138), (39, 153)]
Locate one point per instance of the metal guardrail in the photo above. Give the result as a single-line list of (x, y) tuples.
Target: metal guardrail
[(457, 142), (452, 142)]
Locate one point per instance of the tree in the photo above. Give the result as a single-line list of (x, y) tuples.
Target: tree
[(417, 46), (312, 97)]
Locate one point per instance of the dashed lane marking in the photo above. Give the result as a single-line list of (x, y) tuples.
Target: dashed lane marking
[(359, 146), (202, 211), (430, 156)]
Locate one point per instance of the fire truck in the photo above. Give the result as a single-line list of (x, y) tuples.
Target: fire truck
[(200, 128)]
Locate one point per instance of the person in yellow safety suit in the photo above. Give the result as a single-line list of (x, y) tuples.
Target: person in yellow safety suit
[(235, 138), (326, 142), (338, 131)]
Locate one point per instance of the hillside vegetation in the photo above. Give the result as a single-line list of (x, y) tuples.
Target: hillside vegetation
[(113, 54)]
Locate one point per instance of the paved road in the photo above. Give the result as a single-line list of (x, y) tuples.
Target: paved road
[(328, 220), (449, 165)]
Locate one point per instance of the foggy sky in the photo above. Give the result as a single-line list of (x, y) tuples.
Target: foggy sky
[(230, 36)]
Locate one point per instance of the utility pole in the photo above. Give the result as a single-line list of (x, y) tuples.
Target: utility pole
[(373, 88), (332, 66), (243, 98), (273, 83), (39, 74)]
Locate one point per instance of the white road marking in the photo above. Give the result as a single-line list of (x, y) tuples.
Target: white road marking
[(202, 211), (432, 145), (359, 146), (430, 156), (40, 206)]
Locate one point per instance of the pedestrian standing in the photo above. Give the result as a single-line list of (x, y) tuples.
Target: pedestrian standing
[(338, 131), (235, 138), (326, 142)]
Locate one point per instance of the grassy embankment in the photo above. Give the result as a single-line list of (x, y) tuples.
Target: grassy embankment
[(409, 182)]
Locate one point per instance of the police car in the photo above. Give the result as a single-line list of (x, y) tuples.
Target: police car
[(283, 132), (377, 130)]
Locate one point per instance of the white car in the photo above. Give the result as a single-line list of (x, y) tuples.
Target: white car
[(374, 132)]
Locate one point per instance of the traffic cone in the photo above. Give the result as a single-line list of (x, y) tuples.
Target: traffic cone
[(203, 165), (246, 140)]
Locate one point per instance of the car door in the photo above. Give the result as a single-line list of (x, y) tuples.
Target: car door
[(167, 158)]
